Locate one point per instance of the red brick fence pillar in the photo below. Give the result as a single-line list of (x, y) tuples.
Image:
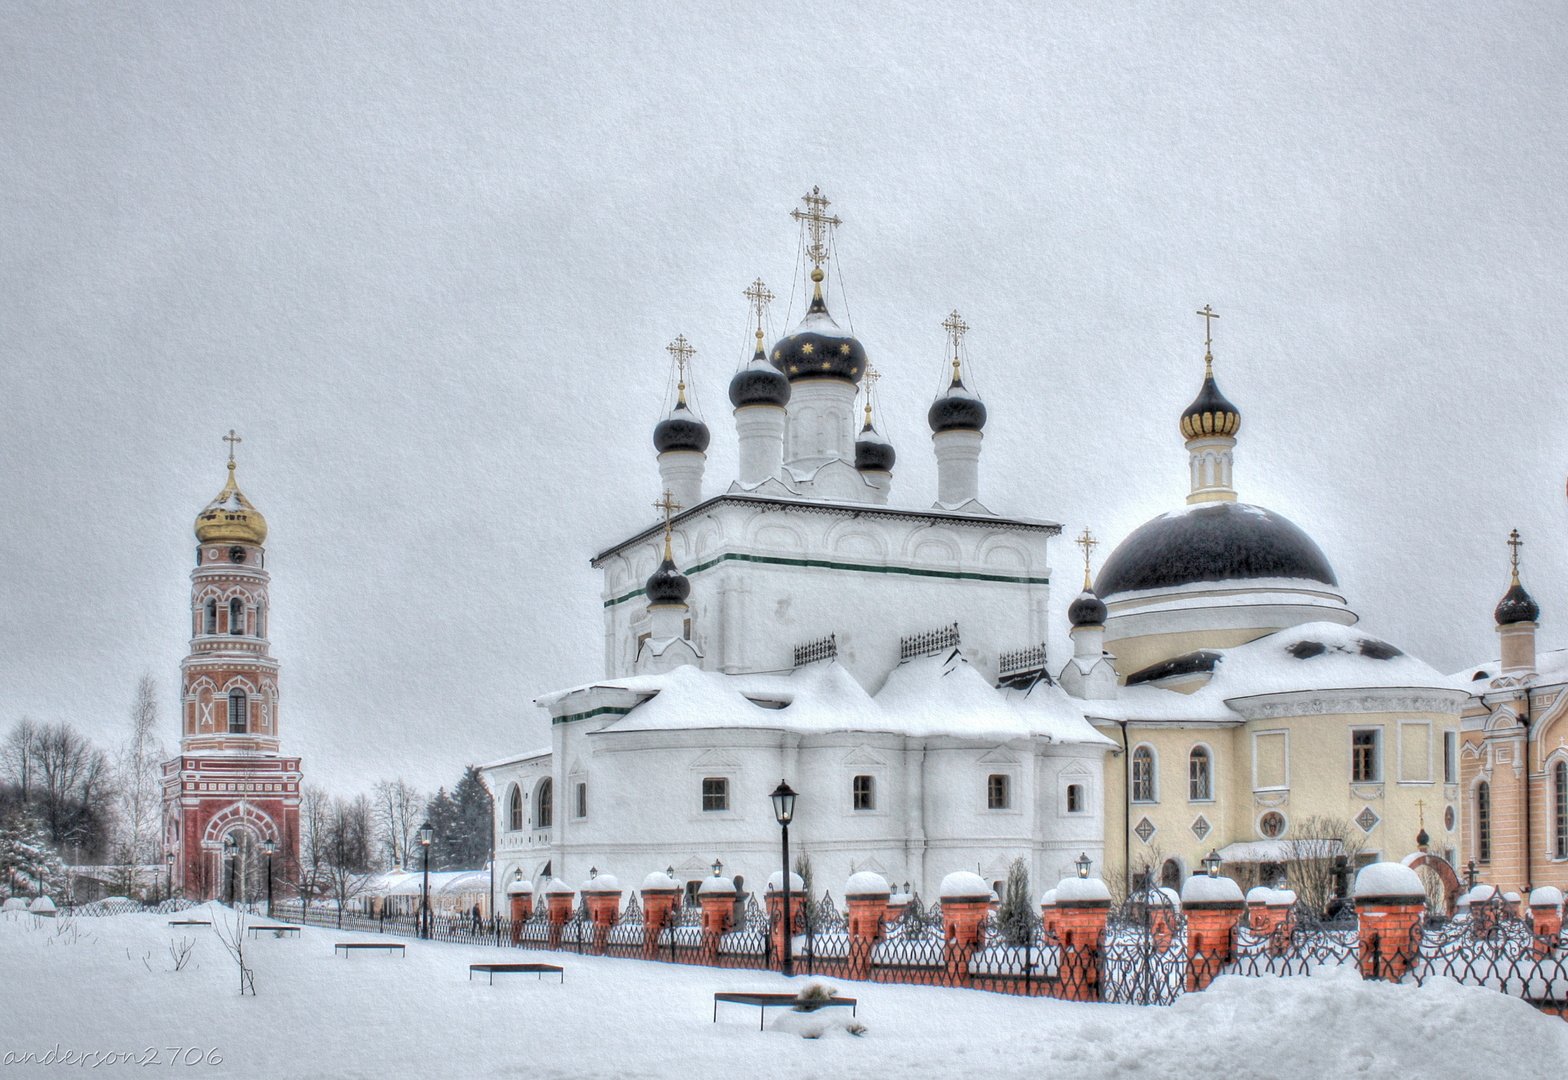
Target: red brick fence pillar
[(1546, 919), (1048, 913), (867, 894), (659, 894), (520, 897), (1390, 904), (602, 896), (797, 906), (558, 895), (1213, 906), (966, 901), (1082, 906), (717, 897)]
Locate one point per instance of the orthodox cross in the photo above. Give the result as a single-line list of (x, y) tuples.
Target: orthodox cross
[(682, 351), (956, 329), (1088, 543), (670, 508), (868, 380), (815, 218), (1209, 315), (233, 439), (1421, 813), (1515, 543), (760, 296)]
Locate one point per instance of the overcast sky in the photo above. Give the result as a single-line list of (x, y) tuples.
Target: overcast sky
[(425, 258)]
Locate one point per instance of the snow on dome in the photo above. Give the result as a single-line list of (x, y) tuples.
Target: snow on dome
[(1202, 889), (715, 885), (602, 883), (14, 903), (659, 880), (776, 882), (866, 883), (1048, 898), (520, 887), (1077, 890), (556, 885), (1388, 879), (964, 884), (42, 906), (1547, 896)]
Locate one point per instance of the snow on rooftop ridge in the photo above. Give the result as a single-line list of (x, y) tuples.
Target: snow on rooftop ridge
[(1388, 879)]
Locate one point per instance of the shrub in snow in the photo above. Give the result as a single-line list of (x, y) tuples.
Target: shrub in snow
[(1015, 916), (817, 1025), (812, 995), (42, 906)]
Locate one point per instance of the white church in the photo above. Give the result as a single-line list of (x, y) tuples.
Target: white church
[(883, 656)]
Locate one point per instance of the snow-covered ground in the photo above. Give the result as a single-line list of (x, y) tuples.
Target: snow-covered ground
[(109, 986)]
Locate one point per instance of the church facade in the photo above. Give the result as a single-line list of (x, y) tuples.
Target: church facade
[(231, 798), (885, 659)]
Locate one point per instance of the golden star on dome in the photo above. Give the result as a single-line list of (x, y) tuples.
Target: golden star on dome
[(844, 348), (807, 349)]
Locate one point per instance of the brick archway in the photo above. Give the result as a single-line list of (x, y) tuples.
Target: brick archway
[(1440, 866)]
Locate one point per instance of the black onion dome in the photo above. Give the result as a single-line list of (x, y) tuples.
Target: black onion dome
[(681, 430), (1087, 610), (759, 384), (957, 410), (1219, 541), (667, 585), (1517, 606), (873, 453), (818, 349), (1210, 413)]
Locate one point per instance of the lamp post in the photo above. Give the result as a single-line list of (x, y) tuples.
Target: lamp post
[(1083, 864), (269, 846), (168, 889), (1211, 863), (231, 848), (784, 812), (426, 833)]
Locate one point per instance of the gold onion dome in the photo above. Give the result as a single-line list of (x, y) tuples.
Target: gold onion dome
[(1210, 412), (230, 518)]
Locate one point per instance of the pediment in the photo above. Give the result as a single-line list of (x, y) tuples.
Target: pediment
[(998, 755), (715, 759), (864, 756)]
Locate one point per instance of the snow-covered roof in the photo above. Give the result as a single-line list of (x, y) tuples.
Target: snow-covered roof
[(1277, 851), (1551, 666), (542, 752), (412, 883), (925, 696)]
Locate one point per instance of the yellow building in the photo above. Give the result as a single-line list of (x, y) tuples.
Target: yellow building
[(1256, 721)]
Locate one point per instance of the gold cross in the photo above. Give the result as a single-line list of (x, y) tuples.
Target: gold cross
[(815, 218), (1515, 543), (956, 329), (760, 297), (1421, 812), (1088, 543), (233, 439), (869, 380), (670, 508), (1209, 315), (682, 351)]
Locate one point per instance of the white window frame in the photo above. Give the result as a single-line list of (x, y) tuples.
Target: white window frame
[(1208, 753), (1008, 794), (1256, 735), (702, 795), (872, 804), (1379, 765), (1068, 783), (1154, 776)]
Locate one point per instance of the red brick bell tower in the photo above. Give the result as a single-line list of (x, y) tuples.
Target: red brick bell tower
[(230, 792)]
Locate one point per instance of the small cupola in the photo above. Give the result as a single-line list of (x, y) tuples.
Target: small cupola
[(1210, 413), (230, 518), (681, 429), (959, 409), (1516, 606), (873, 453), (819, 348)]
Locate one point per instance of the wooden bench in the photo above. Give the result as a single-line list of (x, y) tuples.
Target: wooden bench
[(763, 1001), (526, 969), (189, 922), (347, 946), (279, 930)]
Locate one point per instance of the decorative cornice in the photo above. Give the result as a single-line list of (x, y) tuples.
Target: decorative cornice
[(1349, 700)]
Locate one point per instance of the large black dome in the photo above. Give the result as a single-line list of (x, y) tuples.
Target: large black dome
[(1516, 606), (957, 410), (680, 431), (1220, 541), (758, 384), (818, 349), (873, 453)]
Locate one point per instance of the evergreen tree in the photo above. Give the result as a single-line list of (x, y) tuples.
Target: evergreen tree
[(441, 812), (471, 830), (28, 865), (1015, 915)]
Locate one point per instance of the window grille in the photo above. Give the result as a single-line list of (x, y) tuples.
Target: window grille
[(237, 711), (1200, 787), (863, 791), (1143, 775), (1560, 802), (1364, 757), (236, 616), (544, 804), (1483, 821), (715, 793), (515, 810), (996, 793), (1075, 798)]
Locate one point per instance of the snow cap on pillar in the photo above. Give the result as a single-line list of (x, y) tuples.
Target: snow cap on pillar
[(1389, 880), (520, 887), (556, 887), (1548, 896), (717, 884), (776, 882), (1202, 889), (1077, 890), (659, 881), (964, 885), (867, 883)]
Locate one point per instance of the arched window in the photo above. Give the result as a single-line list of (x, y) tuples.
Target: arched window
[(1200, 782), (236, 616), (1170, 874), (1560, 805), (1483, 821), (544, 804), (1143, 775), (210, 619), (515, 810), (237, 712)]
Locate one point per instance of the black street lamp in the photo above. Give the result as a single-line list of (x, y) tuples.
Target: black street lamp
[(168, 890), (269, 846), (231, 846), (426, 834), (1211, 863), (1083, 864), (784, 812)]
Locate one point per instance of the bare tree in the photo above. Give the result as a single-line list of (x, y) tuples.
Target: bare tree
[(397, 806), (74, 782), (19, 757), (350, 833), (137, 769), (229, 925), (1312, 851), (308, 873)]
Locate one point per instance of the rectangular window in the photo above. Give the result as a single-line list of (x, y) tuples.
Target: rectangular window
[(1075, 798), (582, 800), (715, 793), (1270, 760), (1365, 764), (863, 793), (996, 794), (1450, 757)]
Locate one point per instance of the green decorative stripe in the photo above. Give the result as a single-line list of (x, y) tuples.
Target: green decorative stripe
[(614, 710), (773, 560)]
